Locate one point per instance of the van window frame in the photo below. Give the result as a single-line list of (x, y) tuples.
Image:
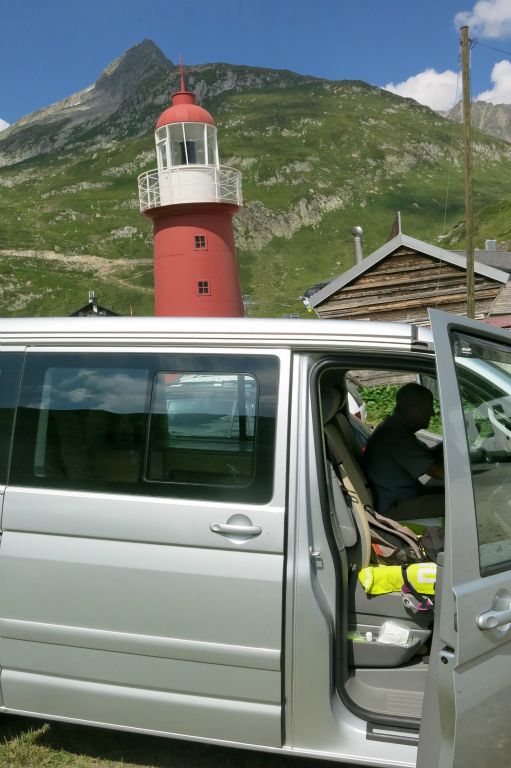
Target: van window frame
[(265, 367), (408, 361)]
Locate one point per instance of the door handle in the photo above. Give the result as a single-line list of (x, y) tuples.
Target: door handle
[(230, 529), (494, 619), (500, 613)]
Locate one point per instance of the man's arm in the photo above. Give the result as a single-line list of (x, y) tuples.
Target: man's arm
[(436, 470), (418, 459)]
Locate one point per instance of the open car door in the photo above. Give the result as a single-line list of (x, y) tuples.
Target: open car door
[(468, 694)]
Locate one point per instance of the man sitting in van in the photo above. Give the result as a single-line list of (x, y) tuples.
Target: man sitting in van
[(395, 459)]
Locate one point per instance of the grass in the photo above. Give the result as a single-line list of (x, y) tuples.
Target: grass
[(323, 156), (26, 743)]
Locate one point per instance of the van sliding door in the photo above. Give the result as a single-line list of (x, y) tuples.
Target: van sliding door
[(142, 554)]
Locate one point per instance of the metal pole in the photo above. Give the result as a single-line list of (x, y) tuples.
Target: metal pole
[(465, 64), (357, 233)]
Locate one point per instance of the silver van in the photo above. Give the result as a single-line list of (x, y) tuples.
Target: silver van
[(178, 558)]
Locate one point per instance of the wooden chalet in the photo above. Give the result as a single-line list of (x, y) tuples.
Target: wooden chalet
[(406, 276)]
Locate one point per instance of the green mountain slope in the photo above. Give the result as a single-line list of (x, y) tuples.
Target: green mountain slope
[(317, 158)]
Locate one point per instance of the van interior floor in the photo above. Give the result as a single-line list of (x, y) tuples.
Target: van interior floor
[(390, 691)]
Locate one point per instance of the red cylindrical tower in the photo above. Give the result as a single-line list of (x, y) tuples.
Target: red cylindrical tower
[(191, 199)]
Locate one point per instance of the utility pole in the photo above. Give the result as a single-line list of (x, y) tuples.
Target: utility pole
[(467, 130)]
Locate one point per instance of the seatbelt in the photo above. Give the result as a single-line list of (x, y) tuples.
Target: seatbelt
[(412, 599)]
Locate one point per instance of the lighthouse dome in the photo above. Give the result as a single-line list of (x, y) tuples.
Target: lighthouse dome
[(184, 109)]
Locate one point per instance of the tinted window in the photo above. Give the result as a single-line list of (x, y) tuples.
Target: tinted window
[(203, 429), (81, 422), (10, 367), (178, 425), (484, 377)]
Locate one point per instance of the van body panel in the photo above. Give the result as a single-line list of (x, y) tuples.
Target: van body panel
[(143, 709), (123, 586), (123, 604), (71, 513)]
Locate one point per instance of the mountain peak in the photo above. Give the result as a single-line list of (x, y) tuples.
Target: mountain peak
[(145, 52), (139, 63)]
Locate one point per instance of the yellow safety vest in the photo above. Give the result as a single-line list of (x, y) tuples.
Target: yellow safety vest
[(381, 579)]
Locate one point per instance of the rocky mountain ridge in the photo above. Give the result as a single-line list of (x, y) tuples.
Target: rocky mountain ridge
[(317, 157), (123, 100), (494, 119)]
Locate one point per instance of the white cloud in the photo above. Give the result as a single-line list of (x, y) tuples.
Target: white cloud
[(488, 18), (434, 89), (3, 124), (501, 79)]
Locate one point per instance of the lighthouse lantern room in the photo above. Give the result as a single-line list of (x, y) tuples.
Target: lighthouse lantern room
[(191, 199)]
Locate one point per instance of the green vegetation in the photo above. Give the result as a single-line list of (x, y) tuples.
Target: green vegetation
[(34, 744), (317, 157), (380, 402)]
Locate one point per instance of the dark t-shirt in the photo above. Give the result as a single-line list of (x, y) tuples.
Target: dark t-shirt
[(394, 460)]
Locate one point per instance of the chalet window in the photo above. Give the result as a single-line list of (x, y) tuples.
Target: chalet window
[(200, 242), (203, 288)]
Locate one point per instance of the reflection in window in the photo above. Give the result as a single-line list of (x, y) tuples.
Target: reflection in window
[(10, 368), (83, 424), (91, 423), (484, 378), (162, 153), (203, 428), (212, 158)]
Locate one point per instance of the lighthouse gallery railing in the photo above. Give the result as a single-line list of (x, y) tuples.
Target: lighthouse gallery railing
[(189, 184)]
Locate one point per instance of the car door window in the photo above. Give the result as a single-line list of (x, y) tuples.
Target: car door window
[(189, 426), (203, 429), (10, 367), (483, 371)]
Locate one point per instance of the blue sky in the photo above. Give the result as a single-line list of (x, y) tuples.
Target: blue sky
[(53, 48)]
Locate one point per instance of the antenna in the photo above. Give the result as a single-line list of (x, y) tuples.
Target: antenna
[(182, 72)]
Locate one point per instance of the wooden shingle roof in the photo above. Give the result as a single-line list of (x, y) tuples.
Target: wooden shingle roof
[(419, 246)]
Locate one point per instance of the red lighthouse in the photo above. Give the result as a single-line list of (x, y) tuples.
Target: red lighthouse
[(191, 199)]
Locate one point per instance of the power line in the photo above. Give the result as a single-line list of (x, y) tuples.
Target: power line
[(491, 47)]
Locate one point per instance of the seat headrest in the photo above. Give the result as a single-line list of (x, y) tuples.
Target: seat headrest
[(330, 403)]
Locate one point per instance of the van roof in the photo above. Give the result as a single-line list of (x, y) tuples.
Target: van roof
[(223, 331)]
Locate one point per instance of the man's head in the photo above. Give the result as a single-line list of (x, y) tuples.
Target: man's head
[(414, 403)]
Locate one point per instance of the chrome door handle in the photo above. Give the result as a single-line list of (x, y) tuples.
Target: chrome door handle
[(493, 619), (500, 613), (230, 529)]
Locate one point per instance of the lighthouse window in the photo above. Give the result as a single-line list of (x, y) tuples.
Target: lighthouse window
[(176, 144), (211, 145), (187, 143), (188, 153), (162, 151), (203, 288), (200, 242), (195, 142)]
